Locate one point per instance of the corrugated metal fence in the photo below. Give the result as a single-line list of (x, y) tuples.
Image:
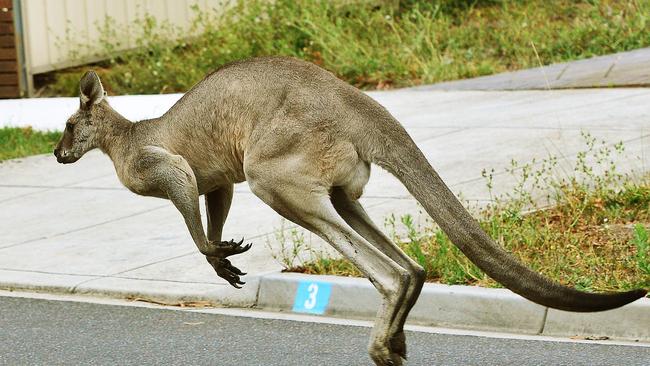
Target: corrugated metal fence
[(51, 29)]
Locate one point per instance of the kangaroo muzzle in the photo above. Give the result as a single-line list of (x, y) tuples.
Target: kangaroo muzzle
[(64, 156)]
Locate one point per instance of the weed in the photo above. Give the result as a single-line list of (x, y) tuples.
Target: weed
[(642, 244), (291, 243)]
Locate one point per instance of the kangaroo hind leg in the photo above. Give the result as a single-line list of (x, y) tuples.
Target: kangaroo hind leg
[(354, 214), (309, 206)]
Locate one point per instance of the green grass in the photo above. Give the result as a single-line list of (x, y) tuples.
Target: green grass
[(642, 244), (24, 141), (587, 229), (369, 46)]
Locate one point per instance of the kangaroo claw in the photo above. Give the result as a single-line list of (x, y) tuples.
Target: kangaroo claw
[(226, 270), (227, 248)]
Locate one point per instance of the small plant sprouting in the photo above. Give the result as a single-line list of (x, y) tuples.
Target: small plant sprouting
[(291, 246), (414, 246), (298, 254)]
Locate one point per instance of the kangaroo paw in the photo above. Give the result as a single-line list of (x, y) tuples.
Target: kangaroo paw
[(398, 344), (226, 270), (227, 248), (384, 356)]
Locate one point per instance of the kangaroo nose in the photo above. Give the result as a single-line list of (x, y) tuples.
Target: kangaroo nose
[(56, 152)]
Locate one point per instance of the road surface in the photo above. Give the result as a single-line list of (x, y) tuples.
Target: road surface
[(49, 332)]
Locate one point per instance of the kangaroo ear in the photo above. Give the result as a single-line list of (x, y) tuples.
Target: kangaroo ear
[(91, 90)]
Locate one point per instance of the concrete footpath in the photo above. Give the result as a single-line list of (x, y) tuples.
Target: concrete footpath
[(623, 69), (75, 229)]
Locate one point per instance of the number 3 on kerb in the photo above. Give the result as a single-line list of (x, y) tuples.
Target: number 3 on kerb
[(311, 300), (312, 297)]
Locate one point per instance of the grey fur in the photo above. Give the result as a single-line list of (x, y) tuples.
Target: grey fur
[(304, 140)]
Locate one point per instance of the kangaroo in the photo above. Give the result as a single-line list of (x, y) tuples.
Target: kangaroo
[(304, 141)]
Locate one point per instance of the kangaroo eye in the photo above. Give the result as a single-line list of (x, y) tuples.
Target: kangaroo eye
[(69, 126)]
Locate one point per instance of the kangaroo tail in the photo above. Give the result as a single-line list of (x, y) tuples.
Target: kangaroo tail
[(405, 161)]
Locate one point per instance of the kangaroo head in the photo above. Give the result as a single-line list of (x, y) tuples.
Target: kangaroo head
[(81, 129)]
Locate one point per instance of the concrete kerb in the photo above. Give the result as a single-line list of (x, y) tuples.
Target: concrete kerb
[(179, 293), (463, 307)]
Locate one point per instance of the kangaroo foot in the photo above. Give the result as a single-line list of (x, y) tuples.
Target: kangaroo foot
[(226, 270), (222, 266), (398, 344), (382, 355)]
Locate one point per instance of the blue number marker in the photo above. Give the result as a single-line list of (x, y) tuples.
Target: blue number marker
[(312, 297)]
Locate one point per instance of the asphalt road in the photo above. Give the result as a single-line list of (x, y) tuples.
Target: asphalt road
[(45, 332)]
